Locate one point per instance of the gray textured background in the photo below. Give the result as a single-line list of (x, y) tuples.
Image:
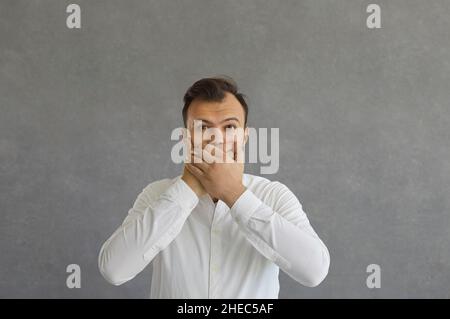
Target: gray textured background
[(86, 117)]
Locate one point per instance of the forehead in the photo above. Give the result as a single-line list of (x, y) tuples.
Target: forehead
[(216, 111)]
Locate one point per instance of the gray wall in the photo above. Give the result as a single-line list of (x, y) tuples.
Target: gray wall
[(364, 116)]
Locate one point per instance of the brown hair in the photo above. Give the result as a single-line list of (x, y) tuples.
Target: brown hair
[(213, 89)]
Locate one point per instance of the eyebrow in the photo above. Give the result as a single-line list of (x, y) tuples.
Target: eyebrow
[(227, 119)]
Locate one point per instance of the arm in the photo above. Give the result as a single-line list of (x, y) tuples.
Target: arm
[(283, 234), (150, 226)]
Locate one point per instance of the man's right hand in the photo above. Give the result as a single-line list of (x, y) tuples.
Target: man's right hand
[(193, 182)]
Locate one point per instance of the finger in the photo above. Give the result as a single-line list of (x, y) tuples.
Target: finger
[(224, 153), (194, 170), (198, 162)]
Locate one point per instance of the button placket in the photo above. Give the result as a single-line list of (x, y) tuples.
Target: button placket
[(215, 255)]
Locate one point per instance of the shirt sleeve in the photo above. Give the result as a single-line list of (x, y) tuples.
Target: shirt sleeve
[(283, 234), (151, 224)]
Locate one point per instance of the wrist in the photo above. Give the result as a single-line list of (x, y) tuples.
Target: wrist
[(193, 183), (233, 195)]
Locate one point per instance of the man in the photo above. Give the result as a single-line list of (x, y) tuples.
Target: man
[(215, 232)]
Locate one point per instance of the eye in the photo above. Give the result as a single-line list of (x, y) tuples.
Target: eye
[(230, 126), (204, 127)]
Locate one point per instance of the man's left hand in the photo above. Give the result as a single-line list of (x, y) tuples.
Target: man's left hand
[(222, 180)]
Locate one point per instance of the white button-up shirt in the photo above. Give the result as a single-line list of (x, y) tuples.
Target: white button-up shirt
[(199, 249)]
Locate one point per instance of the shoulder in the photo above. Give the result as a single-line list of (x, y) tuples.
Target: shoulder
[(156, 188), (261, 184), (270, 192), (279, 197), (150, 193)]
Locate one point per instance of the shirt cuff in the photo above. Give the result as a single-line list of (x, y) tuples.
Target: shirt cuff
[(245, 206), (181, 193)]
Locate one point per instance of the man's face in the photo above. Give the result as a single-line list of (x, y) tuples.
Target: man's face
[(218, 117)]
